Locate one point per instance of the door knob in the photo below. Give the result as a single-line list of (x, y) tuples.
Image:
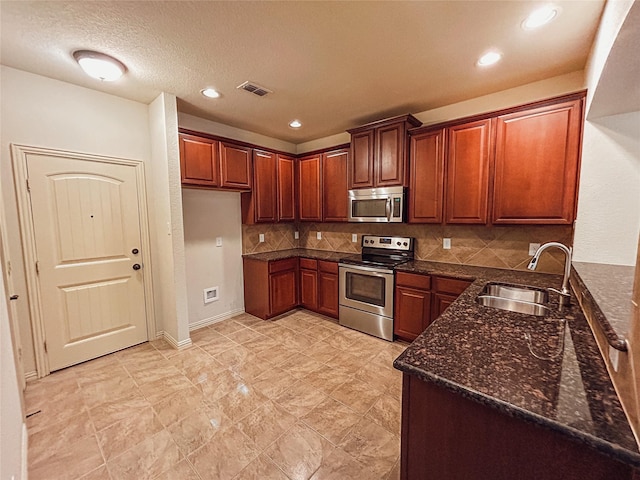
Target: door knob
[(135, 251), (136, 266)]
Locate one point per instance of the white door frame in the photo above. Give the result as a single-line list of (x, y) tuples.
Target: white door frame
[(19, 155)]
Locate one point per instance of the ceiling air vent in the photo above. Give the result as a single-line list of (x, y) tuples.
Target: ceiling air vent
[(255, 89)]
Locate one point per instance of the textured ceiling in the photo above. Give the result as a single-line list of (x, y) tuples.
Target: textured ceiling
[(333, 65)]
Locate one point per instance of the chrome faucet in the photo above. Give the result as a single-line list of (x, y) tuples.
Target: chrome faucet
[(565, 293)]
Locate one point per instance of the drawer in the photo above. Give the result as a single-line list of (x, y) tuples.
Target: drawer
[(308, 263), (422, 282), (328, 267), (450, 285), (283, 265)]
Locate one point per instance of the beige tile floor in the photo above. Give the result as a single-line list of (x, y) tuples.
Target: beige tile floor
[(295, 398)]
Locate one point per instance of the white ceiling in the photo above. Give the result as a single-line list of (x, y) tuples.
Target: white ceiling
[(333, 65)]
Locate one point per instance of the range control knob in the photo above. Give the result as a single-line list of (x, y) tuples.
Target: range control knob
[(398, 243), (405, 244)]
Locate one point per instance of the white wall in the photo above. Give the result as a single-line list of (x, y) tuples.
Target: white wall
[(170, 284), (608, 222), (11, 415), (207, 215), (39, 111)]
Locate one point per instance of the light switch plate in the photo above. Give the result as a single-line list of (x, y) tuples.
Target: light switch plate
[(261, 237), (446, 243), (296, 235), (218, 241), (533, 248), (319, 235), (354, 237)]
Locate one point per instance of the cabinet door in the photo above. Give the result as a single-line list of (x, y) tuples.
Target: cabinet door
[(309, 189), (309, 289), (282, 291), (412, 312), (441, 302), (335, 202), (537, 159), (389, 166), (235, 166), (361, 161), (198, 161), (468, 163), (426, 177), (264, 186), (286, 189), (328, 288)]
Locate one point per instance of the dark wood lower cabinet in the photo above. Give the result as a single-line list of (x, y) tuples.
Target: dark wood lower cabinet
[(328, 290), (447, 436), (309, 289)]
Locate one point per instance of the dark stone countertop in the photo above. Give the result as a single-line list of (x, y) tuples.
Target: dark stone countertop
[(483, 354), (297, 252)]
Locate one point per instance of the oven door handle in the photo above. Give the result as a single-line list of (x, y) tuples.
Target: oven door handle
[(358, 268), (387, 209)]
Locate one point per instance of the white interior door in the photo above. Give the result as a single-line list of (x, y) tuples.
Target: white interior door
[(86, 224)]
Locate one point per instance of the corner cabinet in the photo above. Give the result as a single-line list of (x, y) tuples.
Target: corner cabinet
[(536, 165), (286, 188), (310, 189), (335, 201), (379, 153), (427, 177), (270, 288)]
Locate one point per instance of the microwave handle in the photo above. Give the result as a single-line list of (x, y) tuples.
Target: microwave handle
[(387, 209)]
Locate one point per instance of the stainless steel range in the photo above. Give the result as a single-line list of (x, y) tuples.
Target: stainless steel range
[(367, 284)]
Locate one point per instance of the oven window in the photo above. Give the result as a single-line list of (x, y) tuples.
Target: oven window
[(374, 208), (365, 288)]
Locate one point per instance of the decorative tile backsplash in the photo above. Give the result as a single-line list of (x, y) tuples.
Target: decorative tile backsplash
[(495, 246)]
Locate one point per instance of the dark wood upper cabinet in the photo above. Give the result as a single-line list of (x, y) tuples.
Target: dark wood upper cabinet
[(468, 168), (235, 166), (265, 186), (335, 202), (426, 177), (536, 164), (198, 161), (379, 153), (310, 189), (362, 154), (286, 189)]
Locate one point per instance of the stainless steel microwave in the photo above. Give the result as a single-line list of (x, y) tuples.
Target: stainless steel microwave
[(384, 205)]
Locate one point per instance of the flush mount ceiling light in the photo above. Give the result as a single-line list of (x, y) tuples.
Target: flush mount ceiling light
[(295, 124), (98, 65), (540, 17), (210, 93), (489, 58)]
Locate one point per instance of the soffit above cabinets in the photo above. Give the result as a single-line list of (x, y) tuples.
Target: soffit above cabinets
[(332, 65)]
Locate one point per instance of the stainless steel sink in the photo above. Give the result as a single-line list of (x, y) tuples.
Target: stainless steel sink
[(518, 306), (516, 292), (515, 298)]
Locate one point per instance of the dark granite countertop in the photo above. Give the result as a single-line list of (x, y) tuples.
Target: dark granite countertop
[(298, 252), (557, 379)]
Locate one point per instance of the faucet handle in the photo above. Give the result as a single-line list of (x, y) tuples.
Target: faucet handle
[(565, 296)]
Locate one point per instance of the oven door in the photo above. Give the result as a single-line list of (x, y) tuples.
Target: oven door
[(367, 289)]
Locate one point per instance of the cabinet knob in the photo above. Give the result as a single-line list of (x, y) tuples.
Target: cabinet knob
[(13, 297), (135, 251), (136, 266)]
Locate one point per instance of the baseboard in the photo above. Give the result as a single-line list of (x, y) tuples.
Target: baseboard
[(25, 446), (174, 343), (218, 318), (30, 376)]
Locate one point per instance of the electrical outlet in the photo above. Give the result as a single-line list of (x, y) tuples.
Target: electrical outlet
[(296, 235), (218, 241), (319, 235), (354, 237), (614, 357), (446, 243), (261, 237), (533, 248)]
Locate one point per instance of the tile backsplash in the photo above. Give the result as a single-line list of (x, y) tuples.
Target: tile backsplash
[(495, 246)]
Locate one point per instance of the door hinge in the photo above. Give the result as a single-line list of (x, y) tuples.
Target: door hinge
[(28, 186), (37, 267)]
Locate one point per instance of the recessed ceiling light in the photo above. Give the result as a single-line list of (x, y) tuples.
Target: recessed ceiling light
[(295, 124), (210, 92), (98, 65), (489, 58), (540, 17)]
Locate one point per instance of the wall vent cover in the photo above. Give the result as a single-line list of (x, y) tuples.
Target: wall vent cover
[(254, 88), (211, 295)]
